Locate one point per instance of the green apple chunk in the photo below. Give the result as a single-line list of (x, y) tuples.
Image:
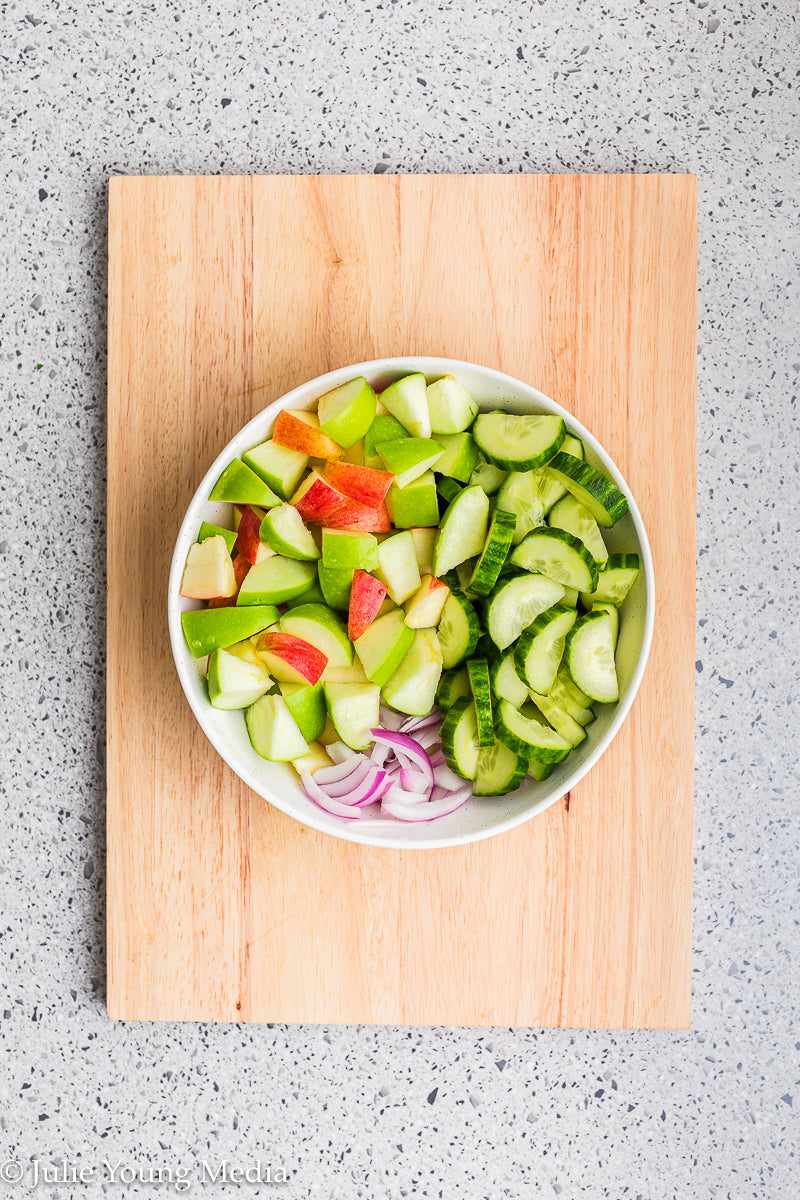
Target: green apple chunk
[(398, 566), (343, 550), (320, 626), (207, 531), (460, 456), (354, 710), (408, 458), (383, 646), (235, 683), (208, 629), (279, 467), (346, 413), (407, 399), (462, 531), (284, 532), (423, 546), (385, 428), (414, 505), (312, 596), (238, 484), (451, 407), (273, 730), (412, 688), (335, 584), (275, 580), (307, 706)]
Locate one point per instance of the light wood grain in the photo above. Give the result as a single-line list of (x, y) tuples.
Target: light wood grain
[(225, 293)]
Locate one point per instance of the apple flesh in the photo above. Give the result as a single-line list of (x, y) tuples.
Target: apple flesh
[(306, 703), (384, 645), (384, 428), (354, 709), (207, 629), (316, 499), (278, 466), (343, 549), (414, 505), (424, 609), (358, 518), (362, 484), (299, 430), (398, 566), (323, 628), (209, 571), (346, 412), (424, 539), (412, 688), (366, 597), (311, 762), (408, 458), (290, 659), (407, 400)]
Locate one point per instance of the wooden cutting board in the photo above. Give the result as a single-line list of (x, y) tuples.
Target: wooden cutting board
[(226, 292)]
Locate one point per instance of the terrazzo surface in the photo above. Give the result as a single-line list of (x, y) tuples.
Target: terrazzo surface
[(89, 90)]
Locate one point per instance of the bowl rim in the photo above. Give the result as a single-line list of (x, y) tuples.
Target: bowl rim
[(354, 831)]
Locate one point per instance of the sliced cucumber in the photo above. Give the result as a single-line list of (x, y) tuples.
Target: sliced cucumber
[(570, 514), (459, 629), (521, 494), (550, 489), (613, 612), (494, 554), (459, 736), (591, 487), (499, 770), (562, 722), (570, 597), (571, 688), (589, 655), (487, 476), (522, 733), (565, 700), (538, 652), (518, 443), (478, 671), (614, 581), (273, 730), (452, 686), (540, 771), (462, 531), (517, 601), (284, 532), (448, 489), (558, 555), (506, 683)]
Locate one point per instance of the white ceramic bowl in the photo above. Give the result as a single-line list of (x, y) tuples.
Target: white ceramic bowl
[(277, 783)]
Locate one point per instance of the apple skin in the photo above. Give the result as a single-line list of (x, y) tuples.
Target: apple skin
[(316, 499), (300, 431), (290, 659), (357, 518), (247, 539), (346, 412), (241, 566), (362, 484), (366, 597)]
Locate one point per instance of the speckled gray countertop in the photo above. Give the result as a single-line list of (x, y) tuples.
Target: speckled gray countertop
[(89, 90)]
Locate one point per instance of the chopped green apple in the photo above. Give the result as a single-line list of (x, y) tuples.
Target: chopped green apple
[(273, 730), (238, 484), (335, 584), (312, 596), (291, 659), (412, 688), (344, 550), (233, 682), (451, 407), (408, 458), (276, 580), (415, 505), (306, 703), (424, 609), (207, 629), (407, 400), (384, 645), (317, 757), (398, 566), (279, 467), (424, 539), (462, 531), (285, 533), (208, 573), (346, 413), (208, 531), (354, 709), (459, 458), (320, 626), (385, 428)]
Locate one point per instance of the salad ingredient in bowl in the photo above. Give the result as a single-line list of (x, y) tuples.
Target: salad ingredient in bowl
[(412, 601)]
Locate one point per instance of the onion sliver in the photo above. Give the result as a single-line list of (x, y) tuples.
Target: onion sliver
[(405, 747), (415, 724), (335, 807), (339, 752), (336, 780), (429, 811), (445, 778), (413, 781)]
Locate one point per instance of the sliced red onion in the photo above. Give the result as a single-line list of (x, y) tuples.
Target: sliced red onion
[(446, 778), (341, 788), (413, 781), (429, 811), (320, 797), (379, 753), (412, 724), (342, 770), (391, 719), (405, 747), (338, 752), (372, 789), (427, 737), (398, 795)]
